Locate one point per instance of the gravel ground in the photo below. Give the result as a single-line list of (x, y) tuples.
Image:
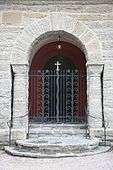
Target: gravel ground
[(102, 161)]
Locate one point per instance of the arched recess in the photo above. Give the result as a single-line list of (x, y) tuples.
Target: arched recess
[(40, 32), (73, 62)]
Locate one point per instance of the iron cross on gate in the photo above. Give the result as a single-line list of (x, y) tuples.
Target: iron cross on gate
[(58, 65)]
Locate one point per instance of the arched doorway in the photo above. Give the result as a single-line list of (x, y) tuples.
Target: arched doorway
[(57, 84)]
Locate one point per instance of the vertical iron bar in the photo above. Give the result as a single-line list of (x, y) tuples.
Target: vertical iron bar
[(43, 94), (54, 95), (33, 92), (62, 112), (60, 97), (102, 97), (66, 92), (12, 103), (103, 122), (57, 96), (63, 96), (48, 94), (72, 98), (79, 93), (51, 96), (36, 92)]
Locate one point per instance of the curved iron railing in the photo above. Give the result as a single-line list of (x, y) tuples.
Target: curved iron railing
[(10, 125), (105, 124)]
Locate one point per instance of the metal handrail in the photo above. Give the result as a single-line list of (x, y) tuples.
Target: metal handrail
[(106, 124), (10, 125)]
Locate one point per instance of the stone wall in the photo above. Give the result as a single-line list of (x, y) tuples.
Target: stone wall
[(13, 18)]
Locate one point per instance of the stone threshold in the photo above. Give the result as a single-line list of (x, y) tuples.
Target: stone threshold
[(57, 125)]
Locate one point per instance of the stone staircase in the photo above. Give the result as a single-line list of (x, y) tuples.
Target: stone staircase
[(56, 140)]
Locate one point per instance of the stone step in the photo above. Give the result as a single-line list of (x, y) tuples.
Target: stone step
[(26, 153), (55, 129), (61, 126), (34, 134), (61, 143), (52, 144)]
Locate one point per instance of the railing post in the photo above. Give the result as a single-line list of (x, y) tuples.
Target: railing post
[(10, 123), (102, 98)]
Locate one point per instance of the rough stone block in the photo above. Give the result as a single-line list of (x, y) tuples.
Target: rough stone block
[(79, 29), (65, 23), (31, 14), (94, 46), (11, 17), (87, 37)]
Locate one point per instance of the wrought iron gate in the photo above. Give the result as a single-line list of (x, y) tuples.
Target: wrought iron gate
[(54, 96)]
